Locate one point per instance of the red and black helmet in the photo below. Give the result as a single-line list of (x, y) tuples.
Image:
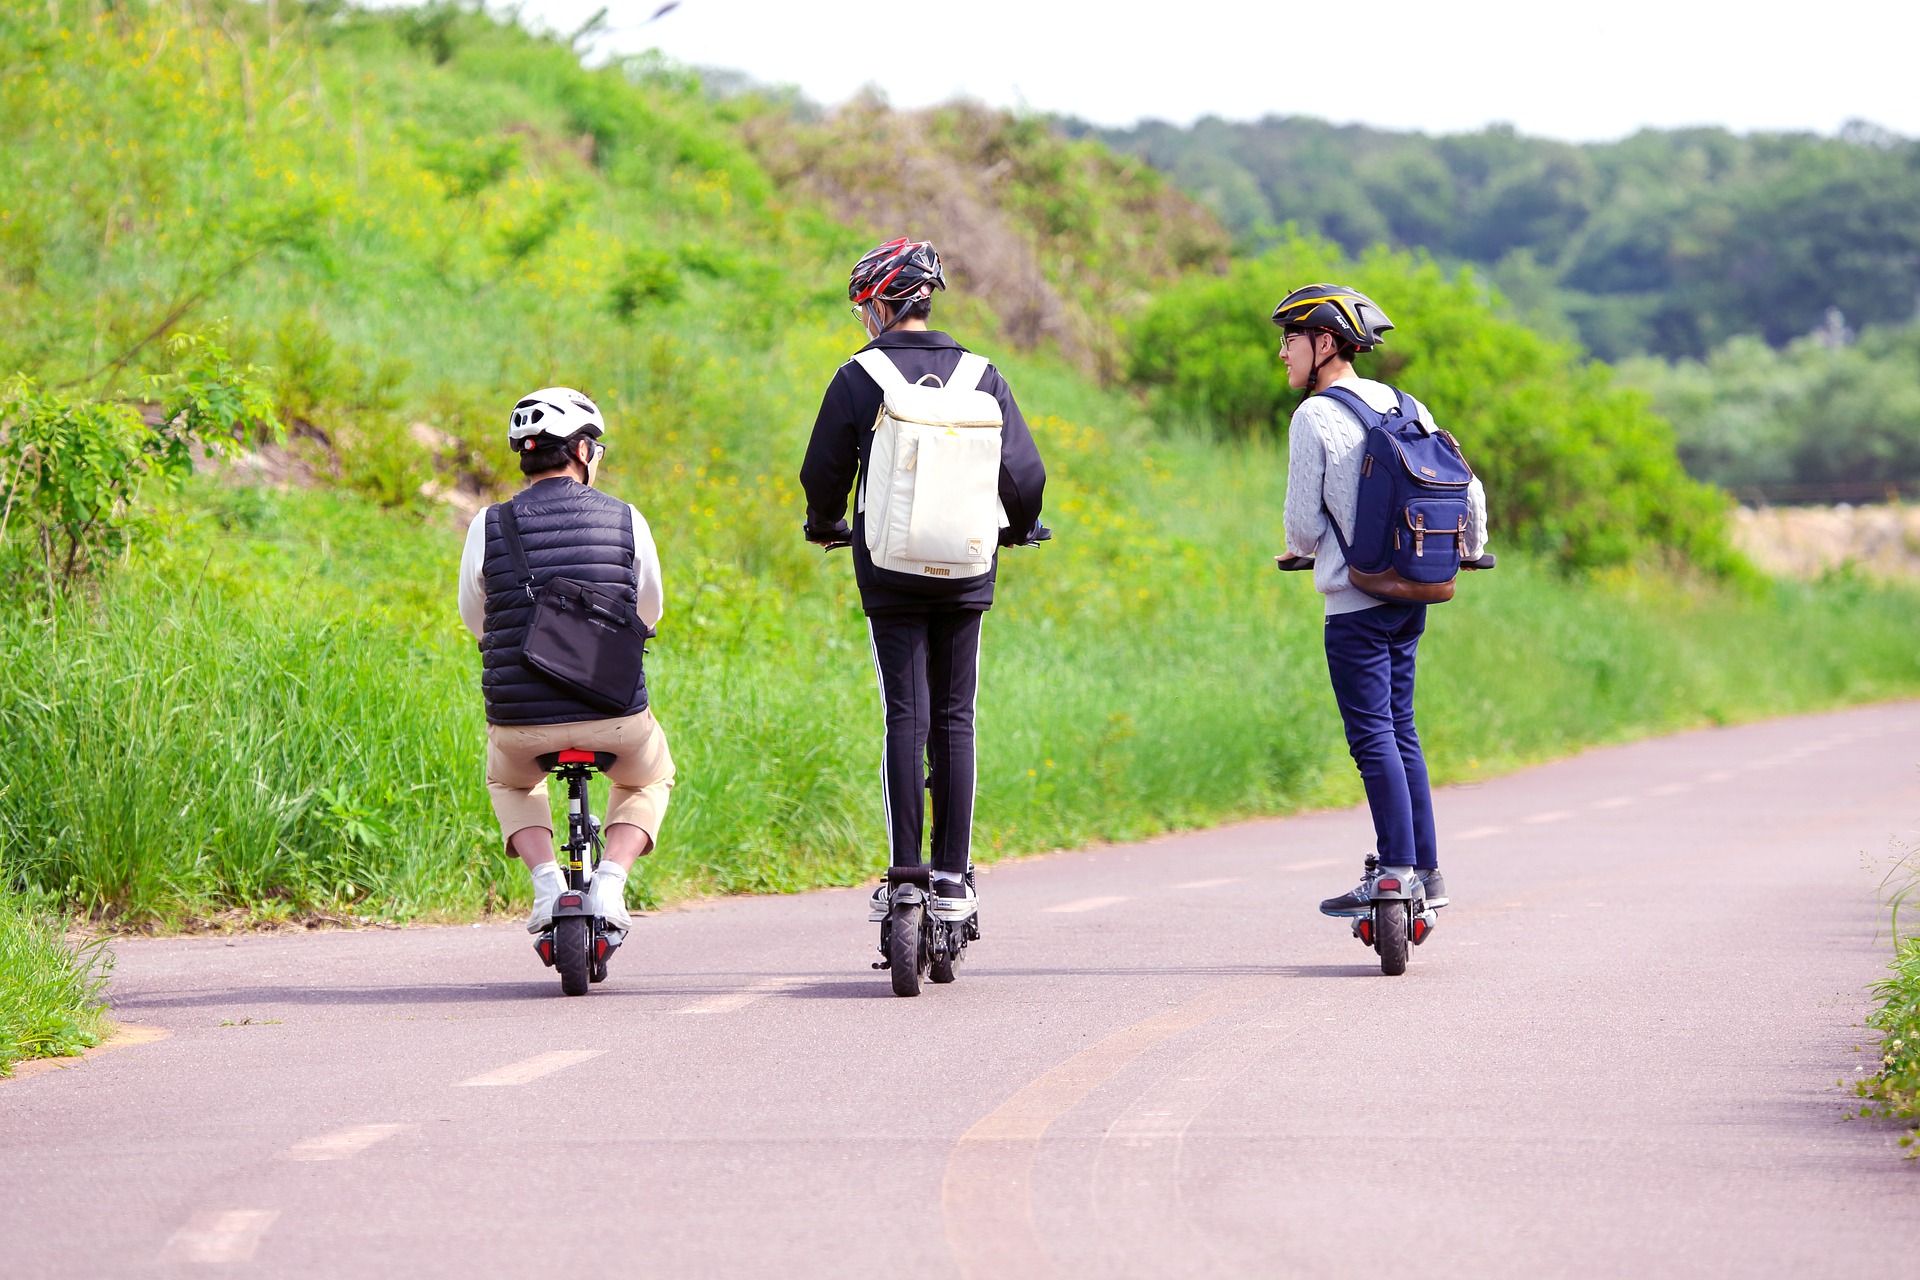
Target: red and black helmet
[(898, 271)]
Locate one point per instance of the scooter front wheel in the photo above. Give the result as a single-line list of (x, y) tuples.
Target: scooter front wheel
[(572, 945), (906, 948), (1390, 936)]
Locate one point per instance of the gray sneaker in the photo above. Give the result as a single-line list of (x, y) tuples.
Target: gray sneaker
[(1436, 886), (880, 904)]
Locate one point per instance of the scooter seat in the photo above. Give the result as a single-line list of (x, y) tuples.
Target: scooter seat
[(552, 760)]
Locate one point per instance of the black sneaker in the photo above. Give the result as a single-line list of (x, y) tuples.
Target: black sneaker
[(1436, 885)]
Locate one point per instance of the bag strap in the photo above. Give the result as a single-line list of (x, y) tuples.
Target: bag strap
[(967, 374), (510, 531), (1369, 416), (882, 370)]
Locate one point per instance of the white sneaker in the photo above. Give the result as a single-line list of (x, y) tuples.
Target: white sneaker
[(547, 887), (608, 895), (962, 903)]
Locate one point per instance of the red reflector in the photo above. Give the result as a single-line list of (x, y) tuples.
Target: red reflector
[(576, 757), (600, 948), (569, 899), (1419, 930), (545, 948), (1390, 885), (1366, 932)]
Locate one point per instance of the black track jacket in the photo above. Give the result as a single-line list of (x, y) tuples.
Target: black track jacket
[(843, 438)]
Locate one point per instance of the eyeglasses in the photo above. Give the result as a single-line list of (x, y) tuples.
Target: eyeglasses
[(599, 451)]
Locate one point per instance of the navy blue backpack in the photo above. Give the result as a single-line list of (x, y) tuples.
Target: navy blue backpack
[(1413, 508)]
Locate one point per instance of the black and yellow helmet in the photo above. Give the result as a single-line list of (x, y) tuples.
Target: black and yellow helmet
[(1346, 313)]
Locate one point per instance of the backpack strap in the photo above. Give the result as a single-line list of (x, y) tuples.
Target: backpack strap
[(882, 370), (510, 532), (1369, 416), (967, 374)]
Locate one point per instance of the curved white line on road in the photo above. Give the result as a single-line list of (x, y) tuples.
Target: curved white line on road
[(229, 1235), (1136, 1176), (541, 1064), (1315, 865), (727, 1002), (986, 1196), (1552, 815), (341, 1143), (1086, 904), (1210, 884), (1478, 833)]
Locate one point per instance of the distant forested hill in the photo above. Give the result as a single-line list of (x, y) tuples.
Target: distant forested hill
[(1667, 242)]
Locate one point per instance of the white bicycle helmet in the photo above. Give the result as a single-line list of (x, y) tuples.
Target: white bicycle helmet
[(552, 416)]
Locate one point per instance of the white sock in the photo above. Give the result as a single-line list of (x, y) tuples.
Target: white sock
[(610, 893)]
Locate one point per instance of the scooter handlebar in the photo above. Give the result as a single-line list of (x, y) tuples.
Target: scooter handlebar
[(1298, 564)]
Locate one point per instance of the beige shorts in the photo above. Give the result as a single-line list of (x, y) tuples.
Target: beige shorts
[(641, 777)]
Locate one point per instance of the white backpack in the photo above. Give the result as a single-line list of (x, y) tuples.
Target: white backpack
[(932, 498)]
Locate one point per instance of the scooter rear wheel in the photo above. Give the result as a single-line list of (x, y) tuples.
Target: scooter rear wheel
[(906, 949), (572, 944), (1390, 936)]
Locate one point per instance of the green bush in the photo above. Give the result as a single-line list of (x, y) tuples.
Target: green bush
[(1576, 468)]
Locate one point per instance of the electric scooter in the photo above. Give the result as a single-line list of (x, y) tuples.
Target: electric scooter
[(578, 943), (917, 944), (1395, 915)]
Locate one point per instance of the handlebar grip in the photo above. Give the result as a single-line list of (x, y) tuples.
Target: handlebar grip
[(1293, 564)]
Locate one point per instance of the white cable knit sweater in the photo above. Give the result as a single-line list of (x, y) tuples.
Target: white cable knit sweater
[(1324, 448)]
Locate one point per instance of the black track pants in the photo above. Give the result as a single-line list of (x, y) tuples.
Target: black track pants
[(929, 670)]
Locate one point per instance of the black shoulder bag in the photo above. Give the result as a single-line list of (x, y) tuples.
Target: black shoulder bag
[(583, 639)]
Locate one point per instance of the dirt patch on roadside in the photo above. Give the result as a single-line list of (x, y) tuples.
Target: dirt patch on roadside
[(1805, 542)]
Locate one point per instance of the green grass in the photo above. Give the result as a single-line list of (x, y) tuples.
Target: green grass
[(1893, 1092), (272, 707), (50, 994)]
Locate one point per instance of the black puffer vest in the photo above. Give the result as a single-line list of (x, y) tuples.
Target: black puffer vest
[(569, 531)]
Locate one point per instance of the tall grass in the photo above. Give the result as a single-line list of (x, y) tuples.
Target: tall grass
[(50, 994), (276, 710)]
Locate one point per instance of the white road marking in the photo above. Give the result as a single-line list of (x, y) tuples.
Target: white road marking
[(1479, 833), (1085, 904), (1671, 789), (1718, 775), (1210, 884), (1612, 802), (540, 1064), (228, 1235), (727, 1002), (341, 1143), (1315, 865), (1552, 815)]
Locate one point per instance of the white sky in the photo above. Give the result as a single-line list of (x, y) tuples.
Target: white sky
[(1573, 71)]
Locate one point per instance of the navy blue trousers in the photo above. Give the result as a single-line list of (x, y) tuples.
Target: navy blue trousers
[(1370, 655)]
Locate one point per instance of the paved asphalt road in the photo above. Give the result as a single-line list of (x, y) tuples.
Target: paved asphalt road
[(1617, 1056)]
